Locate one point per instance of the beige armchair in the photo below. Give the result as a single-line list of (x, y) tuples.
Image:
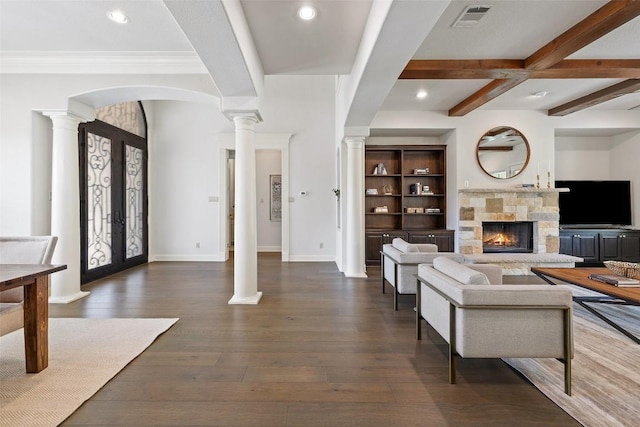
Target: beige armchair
[(399, 263), (484, 320), (21, 250)]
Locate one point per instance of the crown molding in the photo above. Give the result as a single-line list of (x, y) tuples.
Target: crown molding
[(40, 62)]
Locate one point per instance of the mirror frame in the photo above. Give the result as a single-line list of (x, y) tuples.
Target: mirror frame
[(524, 139)]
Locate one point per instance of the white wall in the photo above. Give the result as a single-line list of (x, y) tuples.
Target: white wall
[(25, 136), (304, 106), (183, 176), (269, 232), (583, 158), (625, 161)]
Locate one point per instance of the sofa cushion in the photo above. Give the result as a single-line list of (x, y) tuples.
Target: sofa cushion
[(404, 246), (459, 272)]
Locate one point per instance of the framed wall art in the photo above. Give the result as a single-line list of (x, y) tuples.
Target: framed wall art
[(275, 203)]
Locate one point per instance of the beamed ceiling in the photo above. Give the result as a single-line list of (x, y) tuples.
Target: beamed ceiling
[(548, 62)]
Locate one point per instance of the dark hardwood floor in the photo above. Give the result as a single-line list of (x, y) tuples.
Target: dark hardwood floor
[(319, 350)]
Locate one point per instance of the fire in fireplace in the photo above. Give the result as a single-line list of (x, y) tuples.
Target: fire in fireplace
[(507, 236)]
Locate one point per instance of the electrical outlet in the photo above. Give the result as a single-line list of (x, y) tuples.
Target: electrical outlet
[(197, 245)]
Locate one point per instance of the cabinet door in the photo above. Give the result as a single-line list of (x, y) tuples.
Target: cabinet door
[(444, 240), (630, 246), (373, 246), (566, 242), (585, 245), (610, 245)]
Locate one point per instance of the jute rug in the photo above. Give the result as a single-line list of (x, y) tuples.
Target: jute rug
[(84, 354), (606, 370)]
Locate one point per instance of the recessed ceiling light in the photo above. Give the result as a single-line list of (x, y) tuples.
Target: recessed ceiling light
[(422, 94), (307, 13), (540, 94), (118, 16)]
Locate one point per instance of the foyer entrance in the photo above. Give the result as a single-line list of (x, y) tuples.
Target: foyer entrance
[(113, 198)]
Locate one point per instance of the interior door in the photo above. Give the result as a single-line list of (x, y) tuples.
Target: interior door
[(113, 200)]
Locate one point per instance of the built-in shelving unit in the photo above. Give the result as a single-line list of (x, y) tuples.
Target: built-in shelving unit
[(405, 196)]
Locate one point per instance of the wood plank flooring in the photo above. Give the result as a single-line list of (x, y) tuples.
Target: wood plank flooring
[(319, 350)]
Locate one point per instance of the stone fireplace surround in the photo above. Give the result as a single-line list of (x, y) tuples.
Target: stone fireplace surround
[(538, 205)]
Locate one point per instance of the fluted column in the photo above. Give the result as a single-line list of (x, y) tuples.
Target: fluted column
[(354, 262), (65, 207), (245, 252)]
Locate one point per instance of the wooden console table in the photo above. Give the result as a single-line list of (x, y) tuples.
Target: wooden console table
[(611, 294), (35, 280)]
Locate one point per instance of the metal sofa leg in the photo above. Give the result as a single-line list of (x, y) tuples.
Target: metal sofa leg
[(452, 344)]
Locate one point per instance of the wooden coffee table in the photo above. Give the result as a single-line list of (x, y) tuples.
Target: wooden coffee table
[(611, 294), (34, 278)]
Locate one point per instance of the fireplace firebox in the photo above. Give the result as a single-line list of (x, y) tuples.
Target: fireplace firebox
[(507, 237)]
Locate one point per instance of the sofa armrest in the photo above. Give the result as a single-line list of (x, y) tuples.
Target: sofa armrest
[(489, 295), (492, 271)]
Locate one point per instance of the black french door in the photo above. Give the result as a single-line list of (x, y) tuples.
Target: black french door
[(113, 200)]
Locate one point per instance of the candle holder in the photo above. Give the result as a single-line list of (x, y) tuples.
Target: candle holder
[(537, 180), (548, 179)]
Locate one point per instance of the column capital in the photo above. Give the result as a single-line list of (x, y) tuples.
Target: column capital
[(354, 141), (253, 115), (63, 118)]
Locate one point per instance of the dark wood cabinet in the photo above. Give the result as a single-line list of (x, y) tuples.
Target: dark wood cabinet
[(374, 241), (442, 238), (620, 245), (598, 245), (405, 195)]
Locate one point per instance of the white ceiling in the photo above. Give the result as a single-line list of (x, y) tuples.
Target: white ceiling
[(513, 29)]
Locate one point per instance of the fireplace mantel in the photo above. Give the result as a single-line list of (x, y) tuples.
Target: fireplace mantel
[(513, 190)]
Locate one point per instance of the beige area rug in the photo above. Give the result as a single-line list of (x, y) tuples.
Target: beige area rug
[(84, 354), (606, 369)]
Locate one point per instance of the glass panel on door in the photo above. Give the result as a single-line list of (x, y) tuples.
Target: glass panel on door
[(99, 220), (134, 202)]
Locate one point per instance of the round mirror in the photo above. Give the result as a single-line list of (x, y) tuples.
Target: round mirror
[(503, 152)]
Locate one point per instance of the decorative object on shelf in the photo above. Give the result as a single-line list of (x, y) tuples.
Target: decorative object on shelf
[(423, 171), (432, 210), (380, 169), (336, 191), (626, 269), (426, 190), (503, 152), (419, 210), (381, 209), (275, 205), (372, 191), (415, 188), (387, 189)]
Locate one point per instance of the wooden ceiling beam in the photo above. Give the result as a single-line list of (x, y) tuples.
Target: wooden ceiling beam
[(484, 95), (609, 17), (607, 94), (513, 68)]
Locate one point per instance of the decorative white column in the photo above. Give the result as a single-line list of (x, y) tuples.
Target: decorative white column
[(354, 260), (245, 251), (65, 207)]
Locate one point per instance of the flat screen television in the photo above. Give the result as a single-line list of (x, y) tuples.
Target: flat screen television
[(598, 203)]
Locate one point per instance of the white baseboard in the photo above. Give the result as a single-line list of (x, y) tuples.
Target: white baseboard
[(269, 249), (312, 258), (187, 258)]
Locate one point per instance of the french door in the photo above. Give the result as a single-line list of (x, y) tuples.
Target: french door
[(113, 200)]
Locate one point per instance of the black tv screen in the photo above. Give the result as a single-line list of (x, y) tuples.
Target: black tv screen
[(595, 203)]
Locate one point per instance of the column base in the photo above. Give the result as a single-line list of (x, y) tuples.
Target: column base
[(356, 275), (68, 298), (246, 300)]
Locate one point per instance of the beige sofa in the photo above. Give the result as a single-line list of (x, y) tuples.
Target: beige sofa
[(481, 318), (20, 250), (399, 263)]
